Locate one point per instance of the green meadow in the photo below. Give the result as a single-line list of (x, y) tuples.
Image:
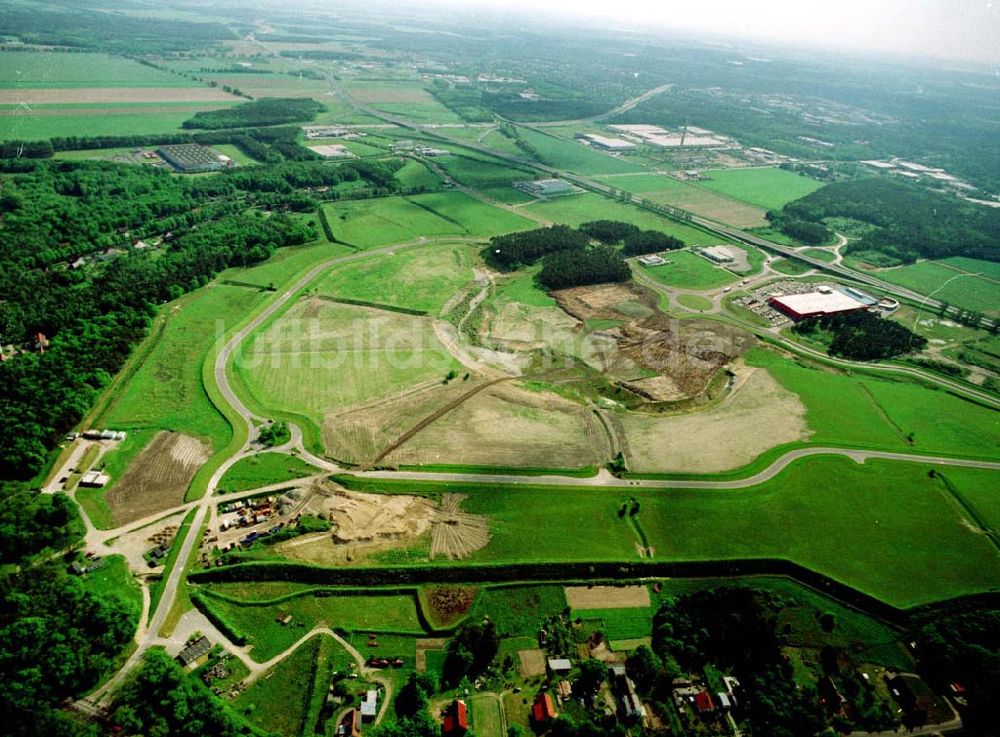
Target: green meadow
[(961, 288), (264, 469), (687, 270), (581, 208), (388, 220), (768, 188), (54, 70), (574, 156)]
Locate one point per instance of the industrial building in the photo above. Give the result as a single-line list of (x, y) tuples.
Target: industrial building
[(545, 187), (824, 301), (608, 144), (94, 479), (192, 157), (689, 137), (717, 254), (332, 151)]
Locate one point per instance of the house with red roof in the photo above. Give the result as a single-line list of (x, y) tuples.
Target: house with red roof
[(456, 719), (703, 702), (543, 710)]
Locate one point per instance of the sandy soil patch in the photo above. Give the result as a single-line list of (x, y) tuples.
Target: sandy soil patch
[(532, 663), (157, 479), (364, 523), (607, 597), (510, 426), (70, 95), (759, 414)]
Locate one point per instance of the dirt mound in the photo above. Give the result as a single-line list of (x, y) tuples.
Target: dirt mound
[(454, 533), (158, 478), (360, 519), (685, 354)]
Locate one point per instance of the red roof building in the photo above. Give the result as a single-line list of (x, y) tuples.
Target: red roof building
[(456, 719), (543, 710), (703, 702)]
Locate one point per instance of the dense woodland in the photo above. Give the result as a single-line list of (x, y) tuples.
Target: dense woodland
[(268, 111), (910, 221), (863, 336), (93, 316)]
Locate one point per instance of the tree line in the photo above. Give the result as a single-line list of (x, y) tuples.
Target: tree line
[(267, 111), (863, 335), (910, 221)]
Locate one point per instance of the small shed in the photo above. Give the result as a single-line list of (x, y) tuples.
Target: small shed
[(560, 665), (369, 707)]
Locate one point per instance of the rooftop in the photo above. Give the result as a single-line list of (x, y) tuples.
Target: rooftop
[(816, 303)]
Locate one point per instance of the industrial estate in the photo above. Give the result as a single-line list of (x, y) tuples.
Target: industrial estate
[(363, 378)]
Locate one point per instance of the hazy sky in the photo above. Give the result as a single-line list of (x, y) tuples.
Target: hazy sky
[(957, 29)]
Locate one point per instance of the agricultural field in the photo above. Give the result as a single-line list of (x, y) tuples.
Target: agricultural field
[(688, 270), (420, 279), (766, 188), (581, 208), (406, 98), (703, 202), (264, 469), (487, 715), (948, 283), (389, 220), (158, 478), (51, 94), (416, 175)]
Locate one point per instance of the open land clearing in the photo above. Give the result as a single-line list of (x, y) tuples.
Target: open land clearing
[(158, 478), (707, 204), (688, 270), (758, 415), (767, 188), (509, 426), (367, 523), (581, 208), (966, 289), (607, 597), (319, 356), (421, 279), (532, 663), (368, 223)]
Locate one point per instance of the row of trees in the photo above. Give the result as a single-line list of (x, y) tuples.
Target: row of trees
[(598, 265), (515, 250), (267, 111)]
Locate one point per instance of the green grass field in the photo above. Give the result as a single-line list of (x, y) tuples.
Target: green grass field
[(694, 302), (619, 624), (487, 715), (53, 70), (414, 174), (367, 613), (517, 610), (264, 469), (422, 279), (790, 266), (768, 188), (688, 270), (581, 208), (166, 392), (320, 355), (821, 254), (949, 285), (636, 183), (115, 579), (574, 156), (105, 120), (521, 287), (909, 543), (278, 701), (876, 413), (988, 269), (389, 220)]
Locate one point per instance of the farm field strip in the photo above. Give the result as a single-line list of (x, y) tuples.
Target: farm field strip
[(766, 187)]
